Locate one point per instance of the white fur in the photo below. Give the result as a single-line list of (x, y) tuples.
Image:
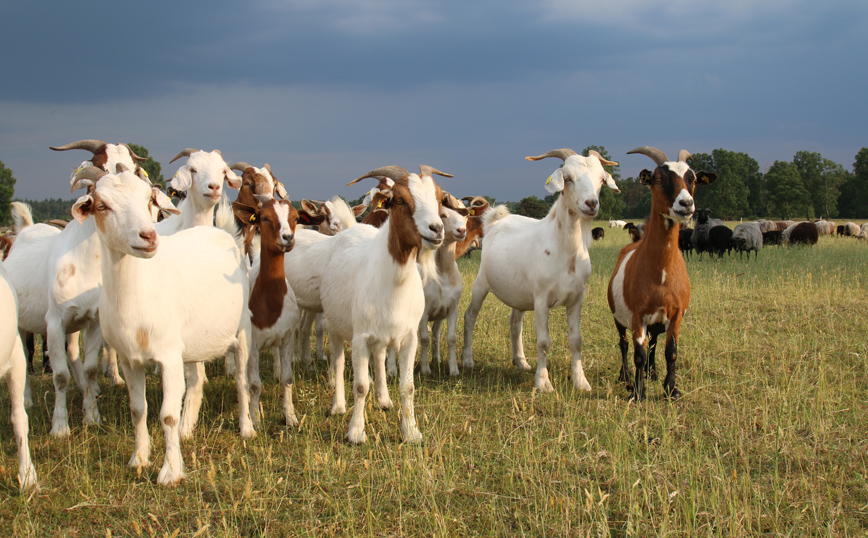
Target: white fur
[(542, 264), (57, 276), (622, 314), (13, 367), (201, 314), (370, 299)]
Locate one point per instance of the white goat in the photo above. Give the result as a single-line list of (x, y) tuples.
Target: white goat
[(372, 294), (57, 276), (13, 367), (543, 264), (198, 319)]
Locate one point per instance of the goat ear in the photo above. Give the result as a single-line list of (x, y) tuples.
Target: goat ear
[(163, 202), (232, 180), (705, 178), (381, 200), (83, 208), (610, 182), (308, 219), (182, 180), (646, 177), (309, 206), (245, 213), (279, 189), (359, 209), (555, 182)]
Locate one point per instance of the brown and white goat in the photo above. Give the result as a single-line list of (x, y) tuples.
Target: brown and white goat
[(273, 308), (649, 291)]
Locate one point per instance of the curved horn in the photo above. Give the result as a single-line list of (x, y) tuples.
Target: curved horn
[(393, 172), (241, 166), (596, 154), (658, 156), (562, 154), (683, 155), (425, 170), (89, 173), (268, 167), (133, 154), (186, 153), (92, 145)]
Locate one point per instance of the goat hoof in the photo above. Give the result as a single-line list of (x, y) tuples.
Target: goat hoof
[(355, 438), (675, 394), (521, 364)]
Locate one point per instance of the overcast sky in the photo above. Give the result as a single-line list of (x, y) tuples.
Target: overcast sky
[(326, 90)]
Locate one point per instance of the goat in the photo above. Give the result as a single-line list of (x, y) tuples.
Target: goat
[(57, 276), (649, 290), (337, 215), (199, 318), (478, 207), (274, 312), (598, 233), (617, 223), (685, 241), (552, 267), (851, 229), (12, 367), (372, 293)]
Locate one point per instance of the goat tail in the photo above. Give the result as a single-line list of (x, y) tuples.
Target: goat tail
[(492, 216), (21, 215)]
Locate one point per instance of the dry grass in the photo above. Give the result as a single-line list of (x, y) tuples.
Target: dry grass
[(771, 437)]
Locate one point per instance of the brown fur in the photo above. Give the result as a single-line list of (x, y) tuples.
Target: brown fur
[(474, 227), (5, 246)]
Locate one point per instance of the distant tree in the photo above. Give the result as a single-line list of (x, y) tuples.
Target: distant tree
[(823, 179), (532, 207), (7, 189), (786, 191), (150, 166), (612, 205), (636, 198), (50, 208), (729, 196), (853, 202)]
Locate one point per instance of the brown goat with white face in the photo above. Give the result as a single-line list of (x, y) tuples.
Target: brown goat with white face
[(650, 290)]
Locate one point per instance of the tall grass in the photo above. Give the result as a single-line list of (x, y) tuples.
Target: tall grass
[(770, 438)]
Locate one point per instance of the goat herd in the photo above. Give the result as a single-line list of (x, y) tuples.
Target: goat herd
[(180, 290)]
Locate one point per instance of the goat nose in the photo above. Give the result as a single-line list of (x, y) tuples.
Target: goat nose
[(286, 237), (686, 202), (592, 204), (150, 236), (437, 228)]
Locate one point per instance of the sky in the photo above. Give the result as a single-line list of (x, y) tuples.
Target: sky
[(326, 90)]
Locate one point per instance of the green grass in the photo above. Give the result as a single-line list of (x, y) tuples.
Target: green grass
[(770, 439)]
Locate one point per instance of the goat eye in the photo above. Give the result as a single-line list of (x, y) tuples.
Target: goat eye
[(192, 170), (101, 207)]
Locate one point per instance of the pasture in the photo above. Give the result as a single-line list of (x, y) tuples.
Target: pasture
[(770, 438)]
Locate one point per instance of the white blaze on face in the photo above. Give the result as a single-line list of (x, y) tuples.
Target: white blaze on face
[(282, 211), (427, 209), (684, 201)]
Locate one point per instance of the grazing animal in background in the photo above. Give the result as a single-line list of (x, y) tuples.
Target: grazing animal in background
[(774, 237), (538, 265), (704, 223), (719, 240), (598, 233), (842, 230), (12, 367), (685, 241), (747, 237), (617, 224), (851, 229), (635, 234), (803, 233), (649, 291), (200, 317), (863, 232)]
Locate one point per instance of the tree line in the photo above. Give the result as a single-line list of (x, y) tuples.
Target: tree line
[(808, 187)]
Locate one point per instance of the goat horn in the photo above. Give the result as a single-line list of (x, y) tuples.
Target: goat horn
[(133, 153), (425, 170), (393, 172), (121, 167), (268, 167), (91, 145), (262, 199), (186, 153), (241, 166), (658, 156), (562, 154), (596, 154), (683, 155), (90, 173)]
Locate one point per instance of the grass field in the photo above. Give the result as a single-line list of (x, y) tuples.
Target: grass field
[(770, 438)]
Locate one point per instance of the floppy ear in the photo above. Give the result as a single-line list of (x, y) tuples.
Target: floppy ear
[(245, 213), (83, 208), (279, 189), (555, 182), (163, 202), (310, 207), (381, 201), (182, 180), (359, 209), (232, 180), (610, 182), (705, 178), (645, 177), (308, 219)]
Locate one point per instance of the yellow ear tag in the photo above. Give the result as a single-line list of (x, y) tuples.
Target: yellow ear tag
[(144, 172), (380, 203), (252, 218), (472, 212), (549, 180), (281, 184)]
